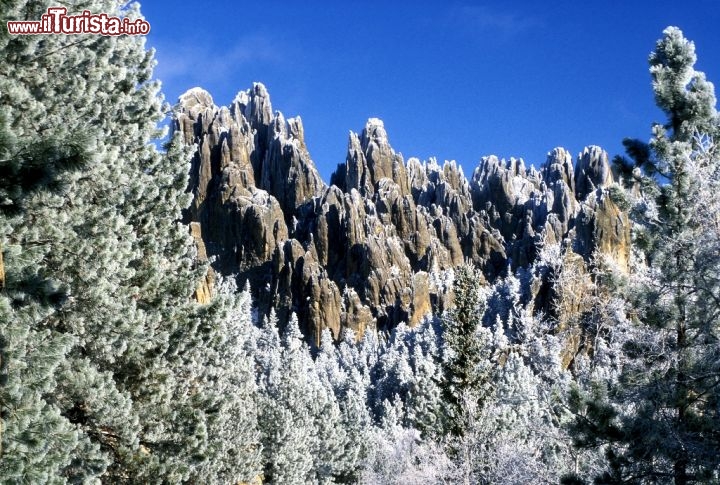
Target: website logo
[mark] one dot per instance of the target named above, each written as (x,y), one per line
(57,21)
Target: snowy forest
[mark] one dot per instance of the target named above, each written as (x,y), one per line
(559,368)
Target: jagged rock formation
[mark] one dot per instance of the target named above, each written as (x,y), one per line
(378,245)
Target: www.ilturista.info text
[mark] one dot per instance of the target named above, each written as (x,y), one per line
(57,21)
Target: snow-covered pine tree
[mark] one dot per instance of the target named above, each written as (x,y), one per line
(43,108)
(97,388)
(299,416)
(224,373)
(30,167)
(661,420)
(350,391)
(275,422)
(515,434)
(398,455)
(392,376)
(425,407)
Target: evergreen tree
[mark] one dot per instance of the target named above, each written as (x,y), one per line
(224,372)
(350,391)
(398,454)
(661,420)
(50,119)
(515,433)
(299,416)
(424,401)
(392,376)
(100,384)
(278,427)
(29,357)
(466,350)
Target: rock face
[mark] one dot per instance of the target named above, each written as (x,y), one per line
(379,244)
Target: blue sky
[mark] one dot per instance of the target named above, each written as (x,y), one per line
(453,80)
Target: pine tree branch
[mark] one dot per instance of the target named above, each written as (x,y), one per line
(83,40)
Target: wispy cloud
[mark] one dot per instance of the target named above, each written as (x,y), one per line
(194,62)
(486,21)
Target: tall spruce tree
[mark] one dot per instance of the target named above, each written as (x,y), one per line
(466,350)
(660,422)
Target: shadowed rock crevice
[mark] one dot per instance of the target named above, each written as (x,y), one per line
(379,244)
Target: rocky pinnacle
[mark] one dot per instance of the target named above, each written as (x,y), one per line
(379,244)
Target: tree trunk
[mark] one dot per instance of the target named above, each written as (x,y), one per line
(681,397)
(680,471)
(2,269)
